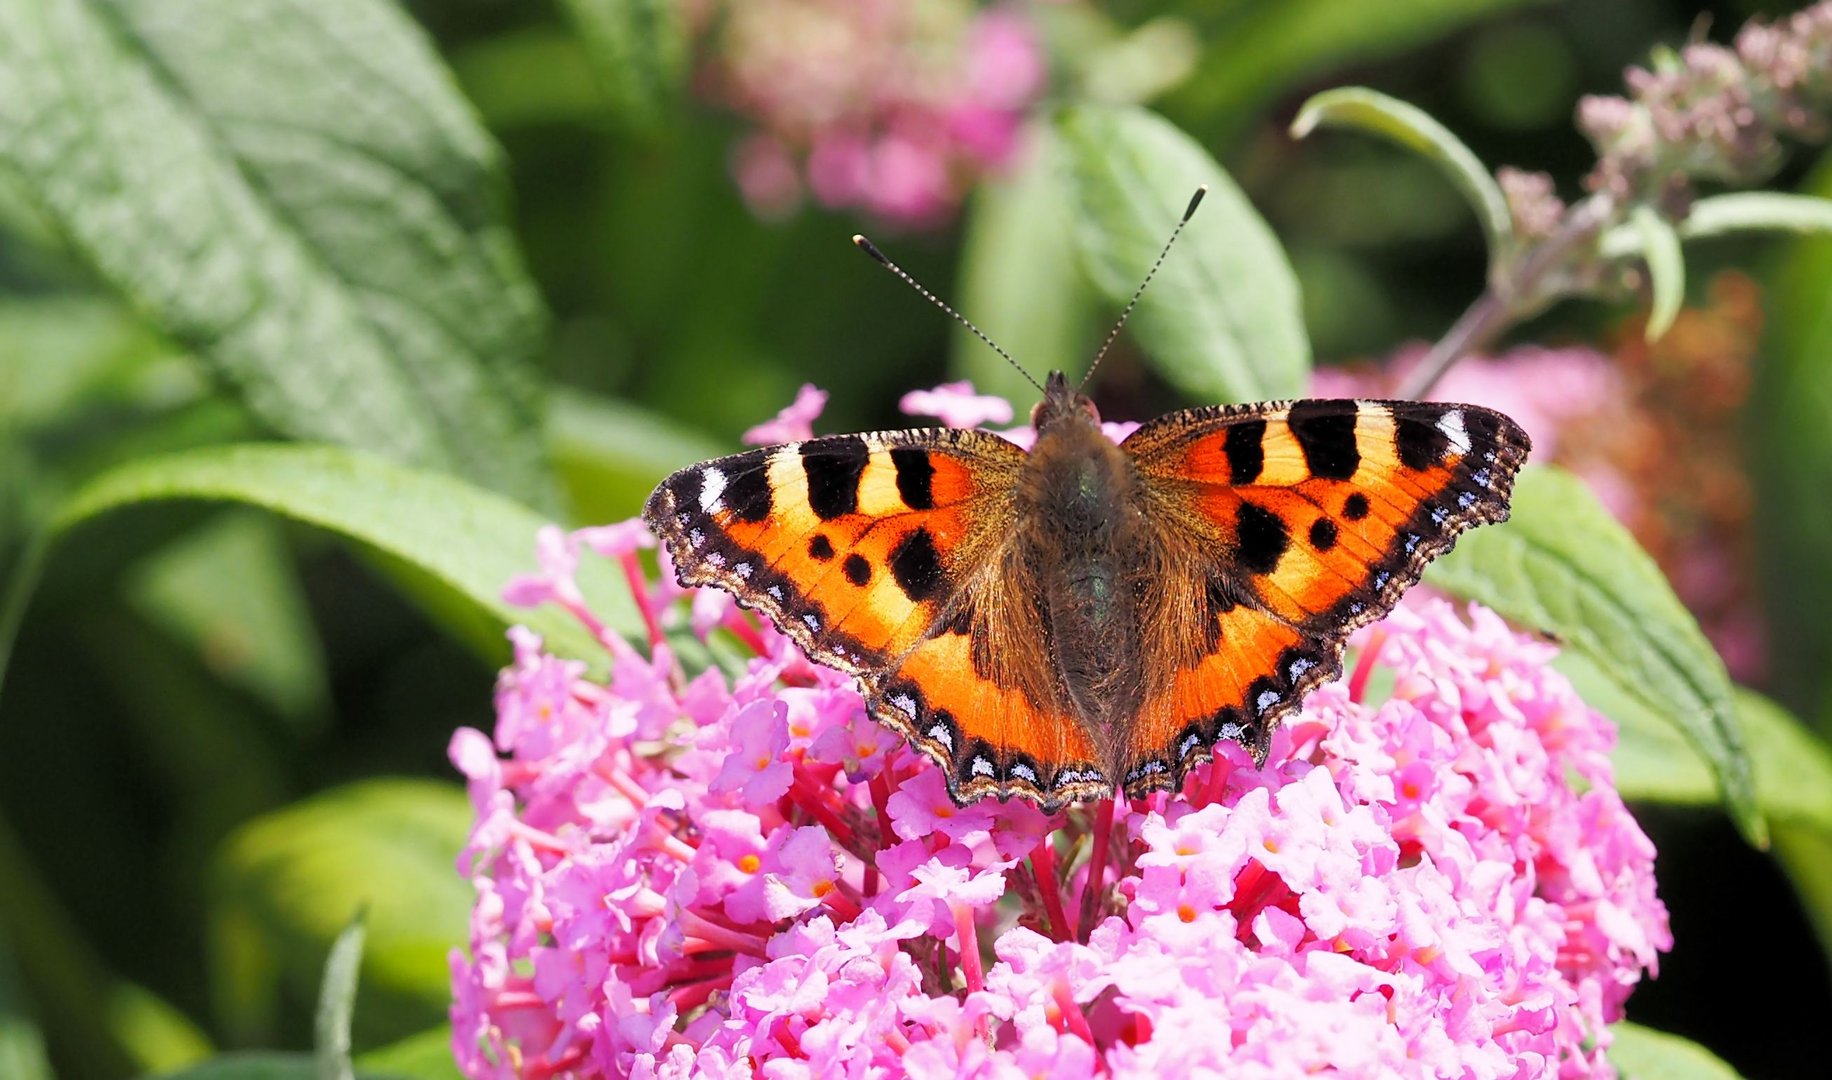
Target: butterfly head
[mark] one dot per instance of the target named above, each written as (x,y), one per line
(1062,402)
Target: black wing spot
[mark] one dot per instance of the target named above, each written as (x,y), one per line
(1326,433)
(915,472)
(1355,507)
(1261,537)
(820,548)
(1245,447)
(856,569)
(1323,534)
(833,468)
(1420,444)
(916,565)
(747,494)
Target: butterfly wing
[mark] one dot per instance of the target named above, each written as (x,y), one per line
(1290,525)
(881,555)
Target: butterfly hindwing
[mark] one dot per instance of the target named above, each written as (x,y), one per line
(1295,523)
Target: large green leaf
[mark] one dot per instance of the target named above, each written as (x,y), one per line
(296,193)
(1640,1053)
(1222,319)
(457,544)
(1565,566)
(288,883)
(1019,280)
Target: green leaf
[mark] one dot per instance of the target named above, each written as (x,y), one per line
(295,193)
(228,591)
(1222,319)
(1019,281)
(463,543)
(1415,129)
(1666,267)
(337,1003)
(611,455)
(426,1056)
(1737,212)
(1640,1053)
(638,51)
(287,882)
(1564,566)
(22,1048)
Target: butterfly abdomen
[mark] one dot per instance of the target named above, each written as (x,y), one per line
(1083,543)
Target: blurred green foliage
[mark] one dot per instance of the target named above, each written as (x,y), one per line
(494,253)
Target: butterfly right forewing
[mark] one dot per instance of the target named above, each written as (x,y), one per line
(1295,523)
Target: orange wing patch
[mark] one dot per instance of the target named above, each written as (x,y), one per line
(989,739)
(852,544)
(1260,669)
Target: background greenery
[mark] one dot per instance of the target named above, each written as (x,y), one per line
(498,250)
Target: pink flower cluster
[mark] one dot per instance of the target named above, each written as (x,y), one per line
(890,106)
(739,872)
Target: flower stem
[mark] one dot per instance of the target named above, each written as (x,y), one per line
(1043,868)
(1097,868)
(971,972)
(1364,664)
(1524,292)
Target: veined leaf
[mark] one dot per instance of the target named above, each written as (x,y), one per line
(1413,128)
(1222,319)
(1564,566)
(296,194)
(462,543)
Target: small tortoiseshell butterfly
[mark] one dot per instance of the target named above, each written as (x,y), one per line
(1087,617)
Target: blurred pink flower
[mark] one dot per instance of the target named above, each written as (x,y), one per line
(956,405)
(739,873)
(794,423)
(893,107)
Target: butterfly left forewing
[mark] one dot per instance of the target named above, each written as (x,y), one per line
(880,555)
(1289,525)
(851,544)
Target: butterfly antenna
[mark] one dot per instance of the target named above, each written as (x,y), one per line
(1188,212)
(871,249)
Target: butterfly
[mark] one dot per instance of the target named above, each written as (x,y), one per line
(1087,617)
(1090,617)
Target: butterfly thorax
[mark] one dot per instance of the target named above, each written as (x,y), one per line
(1081,538)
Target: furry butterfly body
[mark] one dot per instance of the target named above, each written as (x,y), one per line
(1091,617)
